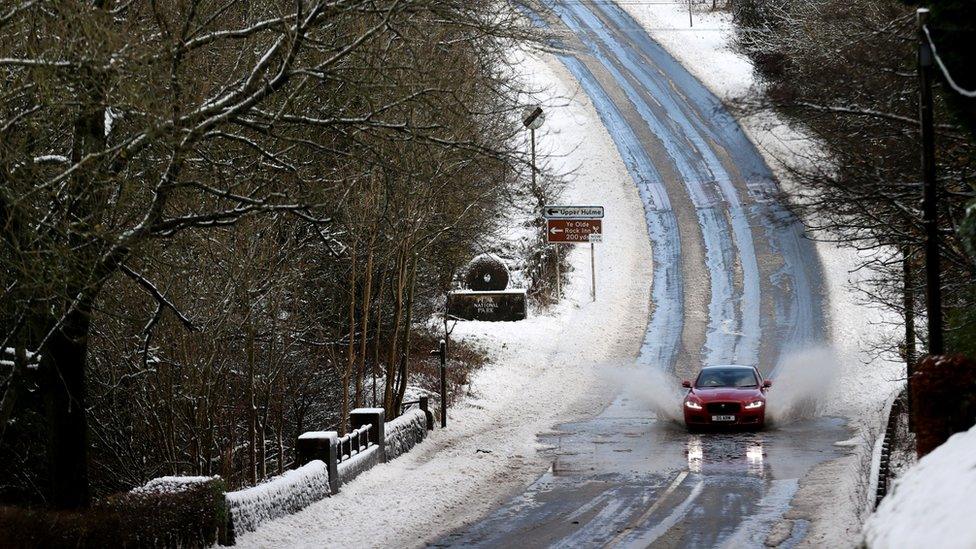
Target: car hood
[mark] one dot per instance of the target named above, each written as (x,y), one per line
(727,393)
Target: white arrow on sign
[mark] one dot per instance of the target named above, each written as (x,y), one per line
(555,230)
(573,212)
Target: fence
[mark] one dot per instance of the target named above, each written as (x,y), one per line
(884,463)
(353,442)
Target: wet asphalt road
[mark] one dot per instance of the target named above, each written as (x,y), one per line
(734,281)
(624,479)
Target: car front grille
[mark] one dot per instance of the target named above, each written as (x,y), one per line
(723,407)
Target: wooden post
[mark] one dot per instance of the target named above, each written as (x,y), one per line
(559,275)
(592,271)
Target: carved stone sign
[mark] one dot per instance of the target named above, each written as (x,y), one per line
(505,305)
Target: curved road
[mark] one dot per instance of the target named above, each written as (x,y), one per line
(734,281)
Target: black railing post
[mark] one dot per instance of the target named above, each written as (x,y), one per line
(323,445)
(425,408)
(443,352)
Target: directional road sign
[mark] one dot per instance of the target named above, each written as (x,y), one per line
(573,212)
(573,231)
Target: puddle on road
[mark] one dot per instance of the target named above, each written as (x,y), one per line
(626,479)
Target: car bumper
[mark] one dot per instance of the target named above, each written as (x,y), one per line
(743,418)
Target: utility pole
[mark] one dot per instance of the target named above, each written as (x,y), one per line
(690,22)
(930,195)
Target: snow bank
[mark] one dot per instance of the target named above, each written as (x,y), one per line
(171,485)
(359,464)
(405,432)
(931,505)
(279,496)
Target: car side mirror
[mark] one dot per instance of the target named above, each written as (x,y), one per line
(767,384)
(686,384)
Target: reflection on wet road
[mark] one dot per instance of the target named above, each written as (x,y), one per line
(625,479)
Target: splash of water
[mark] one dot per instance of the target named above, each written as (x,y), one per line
(801,383)
(658,389)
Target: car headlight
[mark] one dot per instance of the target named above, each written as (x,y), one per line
(693,405)
(754,404)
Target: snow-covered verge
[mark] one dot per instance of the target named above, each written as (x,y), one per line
(170,484)
(405,432)
(931,505)
(359,463)
(542,371)
(279,496)
(835,496)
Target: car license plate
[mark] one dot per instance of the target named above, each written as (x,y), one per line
(723,418)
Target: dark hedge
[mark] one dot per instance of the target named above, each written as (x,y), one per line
(195,516)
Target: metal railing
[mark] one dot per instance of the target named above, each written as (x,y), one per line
(353,442)
(887,441)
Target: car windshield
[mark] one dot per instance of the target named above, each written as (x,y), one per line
(727,377)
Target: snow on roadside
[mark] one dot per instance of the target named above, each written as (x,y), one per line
(543,371)
(864,384)
(931,504)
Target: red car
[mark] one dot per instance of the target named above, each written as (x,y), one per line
(726,396)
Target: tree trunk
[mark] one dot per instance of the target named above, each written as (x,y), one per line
(364,313)
(379,330)
(404,371)
(391,362)
(351,347)
(65,400)
(252,412)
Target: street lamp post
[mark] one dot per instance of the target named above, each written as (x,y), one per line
(532,118)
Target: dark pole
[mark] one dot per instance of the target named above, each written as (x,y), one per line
(442,351)
(930,197)
(909,305)
(532,133)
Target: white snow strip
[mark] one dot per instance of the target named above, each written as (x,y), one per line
(661,528)
(775,502)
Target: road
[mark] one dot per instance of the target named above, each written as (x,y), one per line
(734,281)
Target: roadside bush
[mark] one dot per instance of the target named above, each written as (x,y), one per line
(187,515)
(943,399)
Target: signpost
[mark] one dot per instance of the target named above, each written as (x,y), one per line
(575,225)
(572,231)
